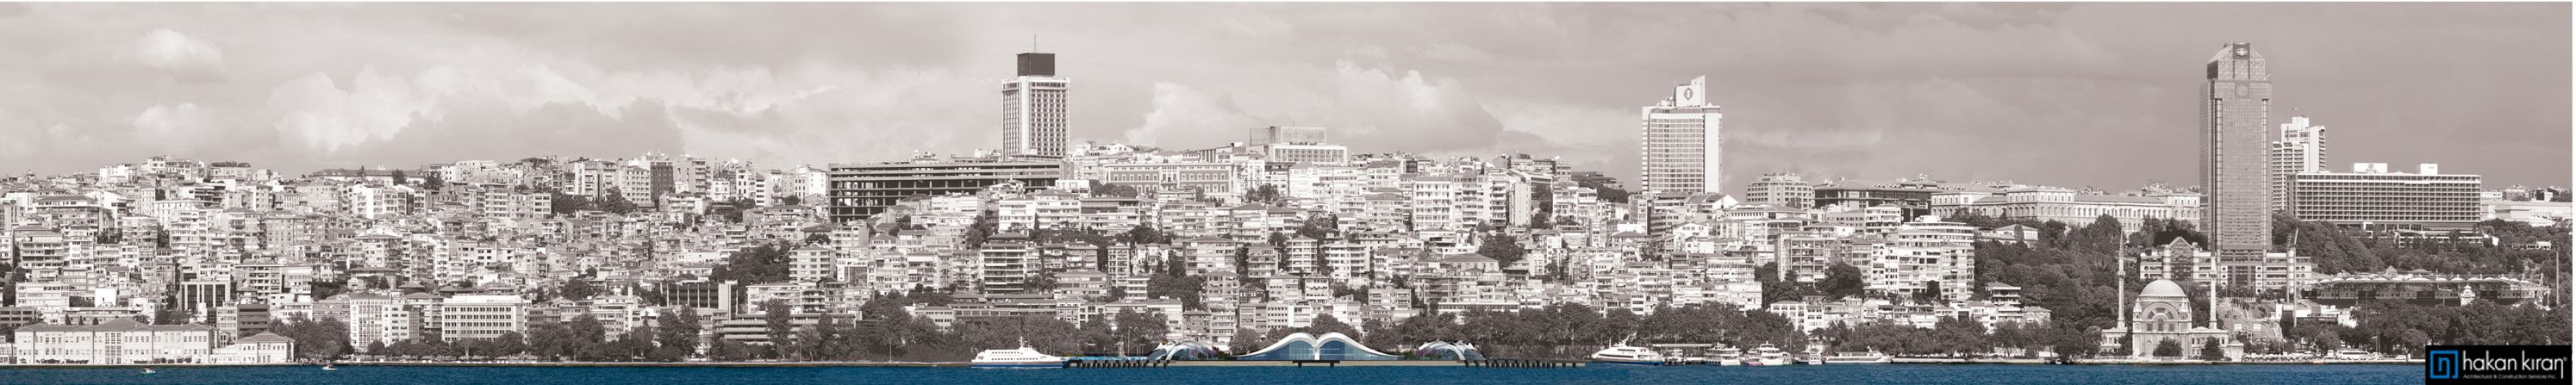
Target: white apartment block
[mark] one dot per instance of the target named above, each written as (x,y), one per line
(482,316)
(2296,148)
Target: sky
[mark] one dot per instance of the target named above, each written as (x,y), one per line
(2074,95)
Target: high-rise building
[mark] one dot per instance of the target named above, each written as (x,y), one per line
(1681,143)
(2298,148)
(1033,109)
(2236,110)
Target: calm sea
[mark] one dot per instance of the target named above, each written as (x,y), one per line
(1823,374)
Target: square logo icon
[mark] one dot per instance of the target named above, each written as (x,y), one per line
(2442,364)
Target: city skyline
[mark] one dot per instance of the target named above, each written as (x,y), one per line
(1870,98)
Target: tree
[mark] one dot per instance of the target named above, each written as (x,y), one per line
(1607,193)
(1137,330)
(754,265)
(614,202)
(2168,348)
(1115,190)
(507,344)
(433,182)
(1245,341)
(400,179)
(775,315)
(1843,281)
(679,330)
(1502,248)
(2209,350)
(1267,193)
(578,288)
(566,204)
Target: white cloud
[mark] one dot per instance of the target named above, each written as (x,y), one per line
(1187,117)
(315,111)
(175,128)
(169,50)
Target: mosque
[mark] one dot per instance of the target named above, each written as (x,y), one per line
(2162,312)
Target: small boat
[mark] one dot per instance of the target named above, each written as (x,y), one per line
(1622,354)
(1021,358)
(147,370)
(1869,357)
(328,367)
(1730,356)
(1768,355)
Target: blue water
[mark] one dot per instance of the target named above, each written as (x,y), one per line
(1824,374)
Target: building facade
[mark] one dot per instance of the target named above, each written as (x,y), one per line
(862,190)
(1784,190)
(481,316)
(1034,109)
(2375,198)
(2298,147)
(2236,110)
(1681,142)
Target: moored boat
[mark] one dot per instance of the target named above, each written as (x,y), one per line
(1622,354)
(1020,358)
(1730,356)
(1767,355)
(1868,357)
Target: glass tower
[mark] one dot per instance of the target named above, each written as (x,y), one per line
(2236,113)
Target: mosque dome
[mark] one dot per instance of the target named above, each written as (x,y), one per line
(2162,288)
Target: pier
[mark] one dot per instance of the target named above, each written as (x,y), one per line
(1081,363)
(1521,363)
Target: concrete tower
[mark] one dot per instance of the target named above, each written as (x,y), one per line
(1680,143)
(1034,113)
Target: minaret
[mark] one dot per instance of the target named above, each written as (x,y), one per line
(2121,299)
(2213,306)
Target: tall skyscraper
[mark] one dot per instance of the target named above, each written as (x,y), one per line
(2236,110)
(2297,148)
(1681,143)
(1033,109)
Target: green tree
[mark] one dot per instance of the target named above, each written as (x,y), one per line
(2168,348)
(678,330)
(1502,248)
(2209,350)
(614,202)
(775,315)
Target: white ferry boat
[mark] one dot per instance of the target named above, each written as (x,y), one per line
(1622,354)
(1021,358)
(1768,355)
(1730,356)
(1869,357)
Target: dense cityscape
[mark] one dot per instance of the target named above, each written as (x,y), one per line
(1083,248)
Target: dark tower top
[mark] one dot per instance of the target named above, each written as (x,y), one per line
(1037,64)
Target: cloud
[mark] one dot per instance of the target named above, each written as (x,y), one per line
(176,128)
(325,118)
(180,55)
(1187,117)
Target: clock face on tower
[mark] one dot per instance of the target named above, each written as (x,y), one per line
(2240,52)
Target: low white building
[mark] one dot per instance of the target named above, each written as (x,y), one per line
(115,342)
(265,348)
